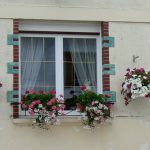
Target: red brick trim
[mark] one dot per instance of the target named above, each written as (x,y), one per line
(15,76)
(105,56)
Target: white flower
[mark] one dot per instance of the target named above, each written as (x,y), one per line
(40,105)
(96,118)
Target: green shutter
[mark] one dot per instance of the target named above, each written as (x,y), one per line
(12,39)
(109,69)
(108,41)
(112,99)
(11,68)
(10,96)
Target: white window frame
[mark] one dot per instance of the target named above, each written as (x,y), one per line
(59,72)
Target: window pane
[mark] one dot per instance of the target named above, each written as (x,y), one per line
(67,50)
(26,49)
(35,72)
(49,73)
(68,74)
(37,77)
(79,66)
(49,49)
(37,48)
(26,74)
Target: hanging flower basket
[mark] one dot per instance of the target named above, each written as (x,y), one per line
(44,107)
(136,84)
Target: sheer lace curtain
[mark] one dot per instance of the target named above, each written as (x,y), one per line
(83,53)
(31,57)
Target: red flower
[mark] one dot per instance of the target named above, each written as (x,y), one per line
(27,92)
(23,96)
(52,92)
(83,88)
(41,92)
(129,86)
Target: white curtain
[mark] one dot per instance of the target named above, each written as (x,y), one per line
(31,57)
(83,53)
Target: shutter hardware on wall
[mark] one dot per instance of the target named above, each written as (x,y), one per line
(112,99)
(11,96)
(12,39)
(108,69)
(108,41)
(12,67)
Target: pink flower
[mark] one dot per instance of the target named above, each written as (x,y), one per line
(31,106)
(83,88)
(52,92)
(61,95)
(61,101)
(32,91)
(58,109)
(109,106)
(63,106)
(31,113)
(54,107)
(62,114)
(41,92)
(93,103)
(21,102)
(49,103)
(24,106)
(53,100)
(38,101)
(34,103)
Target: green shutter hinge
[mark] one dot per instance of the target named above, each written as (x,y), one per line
(13,39)
(108,41)
(11,96)
(109,69)
(13,68)
(112,99)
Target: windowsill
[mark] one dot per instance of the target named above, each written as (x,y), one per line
(64,121)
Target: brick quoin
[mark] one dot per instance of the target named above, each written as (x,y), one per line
(15,76)
(105,55)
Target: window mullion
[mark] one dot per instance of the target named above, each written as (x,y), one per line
(99,65)
(59,65)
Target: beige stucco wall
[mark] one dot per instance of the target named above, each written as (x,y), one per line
(95,10)
(127,131)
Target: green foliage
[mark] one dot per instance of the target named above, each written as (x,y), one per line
(44,98)
(86,97)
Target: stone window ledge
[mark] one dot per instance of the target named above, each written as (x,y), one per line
(67,120)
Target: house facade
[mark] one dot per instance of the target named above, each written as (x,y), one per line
(35,42)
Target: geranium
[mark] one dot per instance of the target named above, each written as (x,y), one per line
(44,106)
(94,107)
(136,84)
(96,113)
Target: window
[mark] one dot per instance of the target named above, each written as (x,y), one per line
(60,62)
